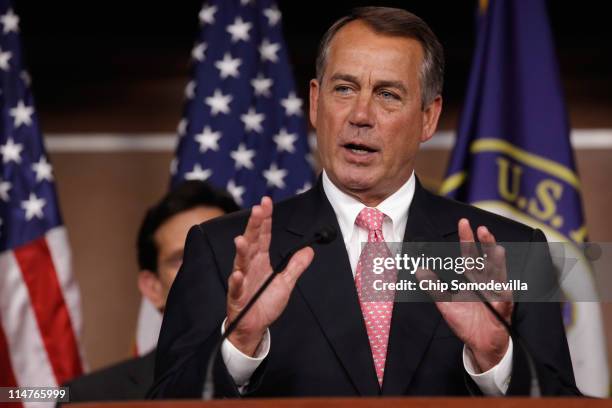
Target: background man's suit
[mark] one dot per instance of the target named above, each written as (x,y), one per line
(319,345)
(128,380)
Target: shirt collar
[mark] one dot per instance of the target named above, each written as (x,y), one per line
(347,207)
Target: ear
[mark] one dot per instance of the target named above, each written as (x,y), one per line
(314,100)
(150,287)
(431,114)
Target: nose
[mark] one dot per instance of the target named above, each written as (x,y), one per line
(361,114)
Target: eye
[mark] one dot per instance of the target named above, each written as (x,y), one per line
(388,95)
(343,89)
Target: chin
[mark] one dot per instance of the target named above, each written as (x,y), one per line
(357,182)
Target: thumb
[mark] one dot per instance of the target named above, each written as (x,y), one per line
(298,264)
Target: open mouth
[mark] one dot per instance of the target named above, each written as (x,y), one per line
(359,148)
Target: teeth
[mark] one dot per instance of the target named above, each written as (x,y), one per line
(359,151)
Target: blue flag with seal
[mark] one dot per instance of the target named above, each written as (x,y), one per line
(513,154)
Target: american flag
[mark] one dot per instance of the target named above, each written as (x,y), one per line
(243,128)
(40,317)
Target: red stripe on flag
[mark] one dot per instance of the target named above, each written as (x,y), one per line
(36,264)
(7,378)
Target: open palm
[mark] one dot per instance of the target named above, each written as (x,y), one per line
(251,268)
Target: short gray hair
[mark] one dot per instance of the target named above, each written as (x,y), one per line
(398,23)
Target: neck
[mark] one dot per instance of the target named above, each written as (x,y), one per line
(370,197)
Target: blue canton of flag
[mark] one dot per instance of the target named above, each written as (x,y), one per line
(243,128)
(28,203)
(513,155)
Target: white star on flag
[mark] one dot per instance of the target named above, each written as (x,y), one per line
(181,129)
(198,50)
(198,173)
(218,103)
(43,170)
(33,207)
(235,191)
(268,51)
(5,186)
(228,66)
(284,141)
(243,157)
(10,21)
(292,105)
(22,114)
(252,121)
(307,186)
(208,139)
(11,151)
(190,89)
(239,30)
(275,176)
(262,85)
(5,56)
(207,14)
(273,15)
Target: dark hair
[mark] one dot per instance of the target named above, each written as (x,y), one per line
(185,196)
(399,23)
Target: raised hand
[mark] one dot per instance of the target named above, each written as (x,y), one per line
(485,337)
(251,268)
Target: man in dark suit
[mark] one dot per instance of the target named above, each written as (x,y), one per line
(375,99)
(160,244)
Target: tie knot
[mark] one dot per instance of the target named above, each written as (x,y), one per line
(370,219)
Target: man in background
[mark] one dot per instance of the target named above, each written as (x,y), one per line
(161,240)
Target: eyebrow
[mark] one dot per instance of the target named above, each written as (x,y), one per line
(380,84)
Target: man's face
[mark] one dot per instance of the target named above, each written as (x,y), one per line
(170,240)
(367,112)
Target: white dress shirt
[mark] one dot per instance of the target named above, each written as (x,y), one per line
(493,382)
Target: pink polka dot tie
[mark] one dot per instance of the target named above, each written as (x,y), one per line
(376,314)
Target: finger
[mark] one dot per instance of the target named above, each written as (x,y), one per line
(495,255)
(266,206)
(465,231)
(466,239)
(434,282)
(235,287)
(240,260)
(486,239)
(498,261)
(298,264)
(251,232)
(485,236)
(265,231)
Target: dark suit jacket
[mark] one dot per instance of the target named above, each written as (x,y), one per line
(128,380)
(319,345)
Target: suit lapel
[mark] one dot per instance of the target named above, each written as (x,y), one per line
(329,290)
(412,324)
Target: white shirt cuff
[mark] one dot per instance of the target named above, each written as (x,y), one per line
(240,366)
(495,381)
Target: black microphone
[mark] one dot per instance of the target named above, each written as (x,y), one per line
(322,236)
(535,390)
